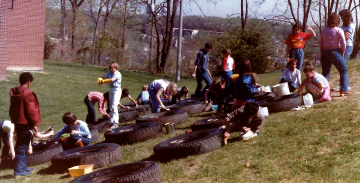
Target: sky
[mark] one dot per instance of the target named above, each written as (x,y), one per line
(223,8)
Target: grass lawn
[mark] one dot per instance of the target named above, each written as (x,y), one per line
(320,144)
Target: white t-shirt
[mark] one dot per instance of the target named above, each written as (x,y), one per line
(294,77)
(159,83)
(351,30)
(7,126)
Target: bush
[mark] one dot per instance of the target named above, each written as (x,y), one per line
(48,47)
(254,44)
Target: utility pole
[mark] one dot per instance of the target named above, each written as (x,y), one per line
(178,63)
(153,2)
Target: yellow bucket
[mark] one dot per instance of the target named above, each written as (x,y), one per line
(80,170)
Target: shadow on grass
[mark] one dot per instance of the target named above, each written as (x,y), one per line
(153,157)
(51,170)
(6,177)
(204,115)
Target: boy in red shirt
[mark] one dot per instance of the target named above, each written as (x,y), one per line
(25,114)
(295,43)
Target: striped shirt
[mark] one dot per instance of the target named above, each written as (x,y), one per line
(99,98)
(321,79)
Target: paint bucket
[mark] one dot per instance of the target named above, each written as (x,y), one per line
(170,128)
(281,89)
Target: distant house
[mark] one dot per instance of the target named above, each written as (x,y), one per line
(22,33)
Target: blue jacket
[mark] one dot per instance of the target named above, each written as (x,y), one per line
(83,128)
(245,89)
(202,60)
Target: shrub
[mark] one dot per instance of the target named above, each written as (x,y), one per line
(48,47)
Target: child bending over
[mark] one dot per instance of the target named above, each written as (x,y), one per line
(181,93)
(90,100)
(215,94)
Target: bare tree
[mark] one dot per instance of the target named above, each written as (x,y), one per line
(244,14)
(75,4)
(62,26)
(96,19)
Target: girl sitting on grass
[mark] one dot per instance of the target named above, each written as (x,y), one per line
(143,97)
(291,75)
(316,84)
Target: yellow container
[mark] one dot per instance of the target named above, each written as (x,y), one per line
(80,170)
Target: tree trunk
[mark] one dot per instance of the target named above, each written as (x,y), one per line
(123,40)
(62,27)
(73,27)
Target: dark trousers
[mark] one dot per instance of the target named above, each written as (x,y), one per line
(71,142)
(202,75)
(5,139)
(22,145)
(91,116)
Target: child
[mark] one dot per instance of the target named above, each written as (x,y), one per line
(113,78)
(125,93)
(160,87)
(143,97)
(315,84)
(90,100)
(181,93)
(25,114)
(79,132)
(291,75)
(227,68)
(295,43)
(248,118)
(216,94)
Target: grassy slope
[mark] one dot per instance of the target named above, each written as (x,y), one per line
(316,145)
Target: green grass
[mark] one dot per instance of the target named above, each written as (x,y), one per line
(320,144)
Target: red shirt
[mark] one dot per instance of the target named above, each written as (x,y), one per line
(99,98)
(297,41)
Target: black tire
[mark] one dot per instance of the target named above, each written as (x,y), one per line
(213,122)
(142,109)
(38,157)
(264,97)
(139,172)
(131,134)
(94,135)
(281,104)
(100,155)
(128,116)
(173,116)
(192,107)
(194,143)
(101,126)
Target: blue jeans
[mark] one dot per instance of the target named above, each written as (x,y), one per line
(297,54)
(202,75)
(292,86)
(73,139)
(334,57)
(155,103)
(91,116)
(5,139)
(348,51)
(22,145)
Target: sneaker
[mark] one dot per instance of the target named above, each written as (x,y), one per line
(248,135)
(113,127)
(208,107)
(337,88)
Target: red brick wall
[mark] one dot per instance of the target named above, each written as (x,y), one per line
(2,39)
(24,28)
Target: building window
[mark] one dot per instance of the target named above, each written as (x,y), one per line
(11,5)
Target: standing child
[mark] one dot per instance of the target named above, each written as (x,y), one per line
(291,75)
(79,132)
(143,97)
(113,78)
(90,100)
(316,84)
(295,43)
(201,70)
(227,69)
(25,114)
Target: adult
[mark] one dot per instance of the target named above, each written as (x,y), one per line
(201,70)
(332,48)
(349,31)
(295,43)
(246,85)
(156,89)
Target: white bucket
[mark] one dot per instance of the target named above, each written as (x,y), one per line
(264,111)
(267,89)
(281,89)
(308,100)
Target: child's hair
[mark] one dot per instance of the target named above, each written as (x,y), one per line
(333,20)
(114,65)
(309,68)
(184,90)
(226,51)
(292,61)
(25,77)
(216,85)
(208,45)
(144,87)
(296,25)
(346,17)
(125,92)
(172,89)
(245,67)
(106,96)
(69,118)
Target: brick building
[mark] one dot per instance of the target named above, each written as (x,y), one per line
(22,33)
